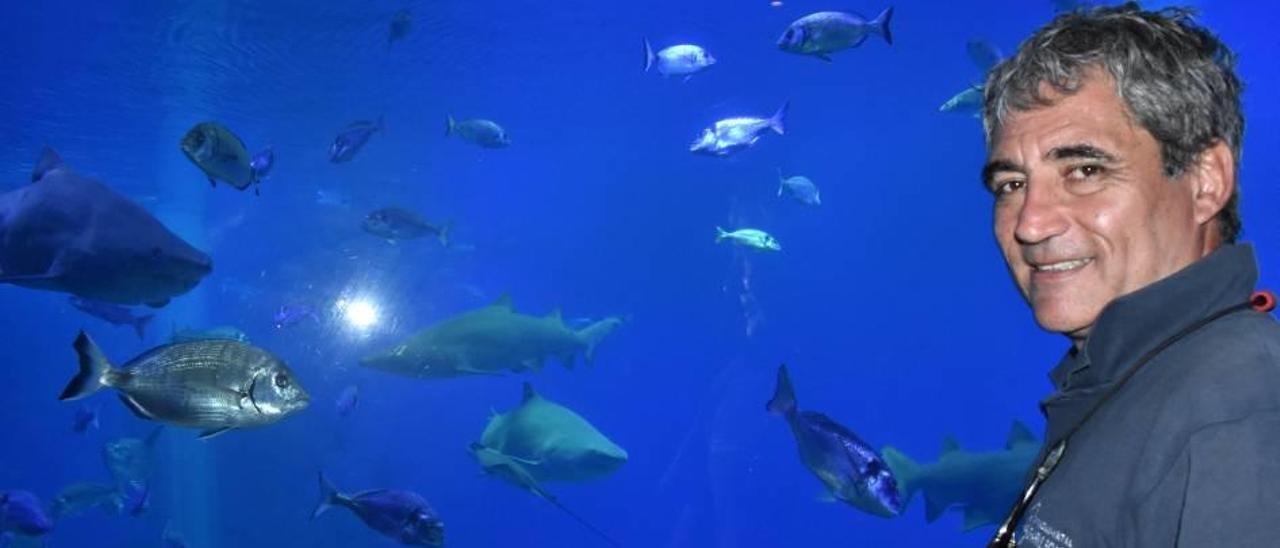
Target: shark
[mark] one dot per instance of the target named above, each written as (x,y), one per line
(491,340)
(68,233)
(541,440)
(984,485)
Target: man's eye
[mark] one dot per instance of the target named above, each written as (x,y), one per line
(1087,171)
(1005,187)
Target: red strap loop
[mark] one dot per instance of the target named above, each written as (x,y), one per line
(1263,300)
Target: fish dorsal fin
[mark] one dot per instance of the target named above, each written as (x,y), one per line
(504,301)
(49,160)
(529,393)
(950,445)
(1019,434)
(556,315)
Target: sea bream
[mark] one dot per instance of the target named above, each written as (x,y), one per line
(220,154)
(678,60)
(485,133)
(213,385)
(850,469)
(826,32)
(69,233)
(799,188)
(751,238)
(731,135)
(353,138)
(393,223)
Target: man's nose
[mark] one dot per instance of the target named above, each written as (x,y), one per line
(1041,216)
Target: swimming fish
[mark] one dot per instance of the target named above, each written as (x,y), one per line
(113,314)
(968,102)
(220,154)
(752,238)
(678,60)
(400,515)
(485,133)
(353,138)
(394,223)
(799,188)
(732,135)
(72,234)
(131,460)
(347,400)
(262,162)
(21,513)
(983,54)
(823,33)
(214,385)
(78,498)
(848,467)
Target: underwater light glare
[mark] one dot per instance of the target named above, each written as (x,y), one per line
(359,314)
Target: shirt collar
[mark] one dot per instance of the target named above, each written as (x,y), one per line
(1132,324)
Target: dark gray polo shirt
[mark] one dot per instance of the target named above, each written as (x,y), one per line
(1187,453)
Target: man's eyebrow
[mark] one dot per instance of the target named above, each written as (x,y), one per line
(1082,150)
(995,166)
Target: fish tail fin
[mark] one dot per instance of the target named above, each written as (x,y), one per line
(140,325)
(449,125)
(95,370)
(444,233)
(905,469)
(649,57)
(329,496)
(778,122)
(881,24)
(596,332)
(721,234)
(783,401)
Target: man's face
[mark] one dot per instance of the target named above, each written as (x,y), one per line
(1083,211)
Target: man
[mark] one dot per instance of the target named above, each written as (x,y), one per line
(1114,139)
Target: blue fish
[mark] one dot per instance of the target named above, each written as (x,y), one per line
(401,515)
(799,188)
(851,469)
(113,314)
(347,400)
(352,139)
(86,417)
(262,162)
(826,32)
(21,513)
(72,234)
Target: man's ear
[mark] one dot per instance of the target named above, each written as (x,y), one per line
(1215,181)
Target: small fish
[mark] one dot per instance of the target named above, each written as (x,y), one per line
(222,332)
(86,418)
(130,460)
(113,314)
(347,400)
(289,315)
(485,133)
(758,240)
(848,467)
(799,188)
(21,513)
(78,498)
(678,60)
(968,102)
(212,385)
(401,24)
(983,54)
(826,32)
(401,515)
(731,135)
(262,162)
(352,138)
(220,154)
(394,223)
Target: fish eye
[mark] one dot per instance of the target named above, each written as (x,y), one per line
(282,380)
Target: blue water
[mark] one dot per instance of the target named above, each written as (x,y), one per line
(890,301)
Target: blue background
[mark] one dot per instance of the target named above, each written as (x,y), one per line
(890,302)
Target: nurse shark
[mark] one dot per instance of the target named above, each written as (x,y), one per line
(984,485)
(69,233)
(489,341)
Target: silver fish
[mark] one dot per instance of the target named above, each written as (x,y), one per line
(678,60)
(826,32)
(82,497)
(968,102)
(220,154)
(799,188)
(485,133)
(731,135)
(214,385)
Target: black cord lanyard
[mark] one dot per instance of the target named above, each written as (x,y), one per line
(1262,301)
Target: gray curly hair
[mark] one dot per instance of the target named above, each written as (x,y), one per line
(1176,78)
